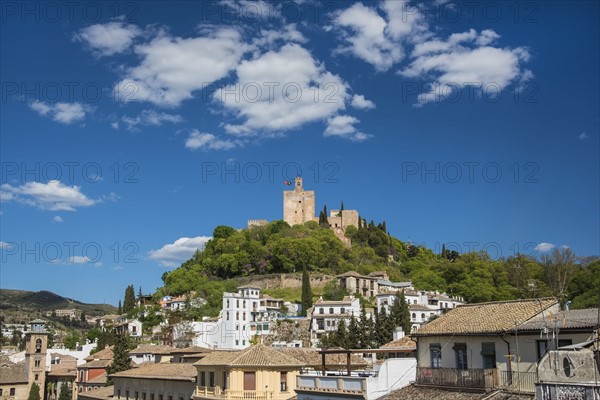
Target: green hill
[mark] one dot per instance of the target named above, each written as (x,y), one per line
(27,302)
(279,248)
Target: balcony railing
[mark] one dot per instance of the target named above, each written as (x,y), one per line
(523,382)
(218,394)
(467,378)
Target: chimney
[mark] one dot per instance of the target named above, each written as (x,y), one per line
(398,333)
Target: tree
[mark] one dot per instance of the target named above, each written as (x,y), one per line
(121,361)
(65,393)
(70,341)
(223,232)
(129,301)
(400,313)
(341,335)
(120,308)
(353,334)
(333,291)
(560,269)
(140,295)
(307,300)
(34,392)
(365,330)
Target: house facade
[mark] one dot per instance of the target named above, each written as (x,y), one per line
(155,382)
(259,372)
(325,316)
(496,344)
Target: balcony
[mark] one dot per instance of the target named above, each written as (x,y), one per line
(463,378)
(215,393)
(522,382)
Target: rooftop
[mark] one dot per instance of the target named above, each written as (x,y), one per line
(403,344)
(180,372)
(572,319)
(311,358)
(255,356)
(485,318)
(191,350)
(12,373)
(152,349)
(104,354)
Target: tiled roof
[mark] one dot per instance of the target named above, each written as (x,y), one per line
(152,349)
(346,300)
(191,350)
(572,319)
(12,373)
(180,372)
(485,318)
(72,372)
(96,364)
(405,343)
(349,274)
(104,354)
(98,380)
(254,356)
(312,358)
(63,357)
(103,393)
(421,393)
(419,307)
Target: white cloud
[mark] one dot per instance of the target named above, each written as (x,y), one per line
(359,101)
(281,90)
(151,118)
(78,260)
(202,140)
(115,125)
(53,196)
(583,136)
(544,247)
(343,126)
(173,254)
(65,113)
(57,219)
(110,38)
(253,10)
(174,67)
(466,59)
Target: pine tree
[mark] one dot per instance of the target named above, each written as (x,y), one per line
(34,392)
(65,393)
(341,335)
(129,301)
(307,295)
(443,250)
(353,334)
(121,361)
(120,308)
(400,314)
(366,330)
(140,294)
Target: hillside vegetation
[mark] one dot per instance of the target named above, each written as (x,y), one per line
(279,248)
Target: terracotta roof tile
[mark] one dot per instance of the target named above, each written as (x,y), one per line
(573,319)
(255,356)
(312,358)
(182,372)
(485,318)
(405,343)
(191,350)
(103,393)
(12,373)
(104,354)
(152,349)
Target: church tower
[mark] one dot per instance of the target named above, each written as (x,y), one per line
(35,355)
(298,204)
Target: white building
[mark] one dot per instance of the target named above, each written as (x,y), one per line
(246,315)
(325,316)
(133,327)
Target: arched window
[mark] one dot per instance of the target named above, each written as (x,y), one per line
(38,346)
(36,377)
(12,391)
(414,316)
(423,316)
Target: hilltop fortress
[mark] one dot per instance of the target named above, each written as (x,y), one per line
(299,207)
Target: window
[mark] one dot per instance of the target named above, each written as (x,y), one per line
(12,392)
(249,381)
(330,310)
(38,346)
(118,393)
(544,345)
(136,395)
(160,397)
(127,394)
(227,314)
(435,353)
(237,315)
(224,380)
(320,324)
(283,381)
(342,310)
(144,396)
(211,379)
(227,303)
(202,378)
(237,342)
(37,363)
(0,392)
(36,377)
(151,396)
(423,316)
(321,311)
(460,350)
(237,304)
(488,354)
(414,316)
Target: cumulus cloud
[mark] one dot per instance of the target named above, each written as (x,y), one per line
(343,126)
(64,113)
(174,67)
(202,140)
(281,90)
(173,254)
(466,59)
(150,118)
(110,38)
(359,101)
(78,260)
(53,196)
(544,247)
(583,136)
(57,219)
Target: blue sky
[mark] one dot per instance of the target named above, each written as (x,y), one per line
(129,130)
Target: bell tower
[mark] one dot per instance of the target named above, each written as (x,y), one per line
(35,354)
(298,204)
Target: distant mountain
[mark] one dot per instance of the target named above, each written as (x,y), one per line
(24,301)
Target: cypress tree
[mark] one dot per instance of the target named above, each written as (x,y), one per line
(121,361)
(443,250)
(120,308)
(341,335)
(353,334)
(400,314)
(65,393)
(129,301)
(307,301)
(366,330)
(34,392)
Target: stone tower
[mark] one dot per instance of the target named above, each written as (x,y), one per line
(298,204)
(35,355)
